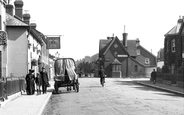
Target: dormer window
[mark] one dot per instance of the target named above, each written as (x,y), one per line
(173,45)
(147,61)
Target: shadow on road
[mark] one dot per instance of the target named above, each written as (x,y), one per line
(134,84)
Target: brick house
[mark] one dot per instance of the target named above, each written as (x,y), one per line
(126,58)
(174,47)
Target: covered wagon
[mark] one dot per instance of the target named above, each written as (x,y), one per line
(65,74)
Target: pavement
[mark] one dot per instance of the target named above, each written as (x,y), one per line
(165,87)
(22,104)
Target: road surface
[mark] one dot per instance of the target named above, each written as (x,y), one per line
(118,97)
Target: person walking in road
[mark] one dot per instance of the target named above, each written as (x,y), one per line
(153,76)
(30,86)
(102,75)
(45,80)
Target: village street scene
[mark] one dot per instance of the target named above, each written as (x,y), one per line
(43,74)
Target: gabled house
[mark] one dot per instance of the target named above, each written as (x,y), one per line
(26,46)
(125,58)
(174,48)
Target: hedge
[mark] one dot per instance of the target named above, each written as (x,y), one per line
(170,77)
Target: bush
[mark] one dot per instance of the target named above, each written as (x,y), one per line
(165,69)
(167,76)
(179,77)
(180,70)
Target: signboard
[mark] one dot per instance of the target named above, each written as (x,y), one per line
(122,55)
(3,37)
(183,55)
(53,42)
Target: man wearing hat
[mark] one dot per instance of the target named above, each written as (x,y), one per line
(30,82)
(45,80)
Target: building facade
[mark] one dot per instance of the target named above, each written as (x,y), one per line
(174,48)
(25,46)
(126,58)
(3,39)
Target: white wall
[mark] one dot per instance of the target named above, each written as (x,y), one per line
(17,51)
(2,49)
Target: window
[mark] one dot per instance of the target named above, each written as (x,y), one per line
(116,68)
(173,45)
(135,68)
(147,61)
(167,43)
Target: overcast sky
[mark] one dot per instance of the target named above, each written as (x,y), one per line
(84,22)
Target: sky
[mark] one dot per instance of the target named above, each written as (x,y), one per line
(82,23)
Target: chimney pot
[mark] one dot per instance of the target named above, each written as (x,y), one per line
(137,42)
(125,39)
(26,18)
(33,25)
(9,9)
(18,8)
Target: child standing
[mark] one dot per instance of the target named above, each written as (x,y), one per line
(38,83)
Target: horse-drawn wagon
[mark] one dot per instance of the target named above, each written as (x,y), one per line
(65,74)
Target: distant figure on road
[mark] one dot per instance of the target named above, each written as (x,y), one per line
(45,80)
(30,86)
(153,76)
(102,75)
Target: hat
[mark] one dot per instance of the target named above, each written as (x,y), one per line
(30,70)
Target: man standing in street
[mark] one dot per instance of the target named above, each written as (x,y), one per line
(45,80)
(30,82)
(153,76)
(102,75)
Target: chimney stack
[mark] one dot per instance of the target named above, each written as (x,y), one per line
(33,25)
(137,42)
(18,8)
(26,18)
(125,38)
(9,9)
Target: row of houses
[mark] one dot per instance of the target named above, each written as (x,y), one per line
(128,58)
(22,46)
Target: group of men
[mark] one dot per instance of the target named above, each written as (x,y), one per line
(41,80)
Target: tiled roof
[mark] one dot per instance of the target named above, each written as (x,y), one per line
(131,47)
(103,43)
(116,62)
(12,21)
(38,35)
(104,46)
(108,45)
(176,29)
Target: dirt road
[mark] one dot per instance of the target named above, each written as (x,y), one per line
(118,97)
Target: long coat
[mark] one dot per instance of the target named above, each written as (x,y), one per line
(30,83)
(44,77)
(153,75)
(102,73)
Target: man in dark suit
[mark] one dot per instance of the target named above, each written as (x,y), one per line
(153,76)
(45,80)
